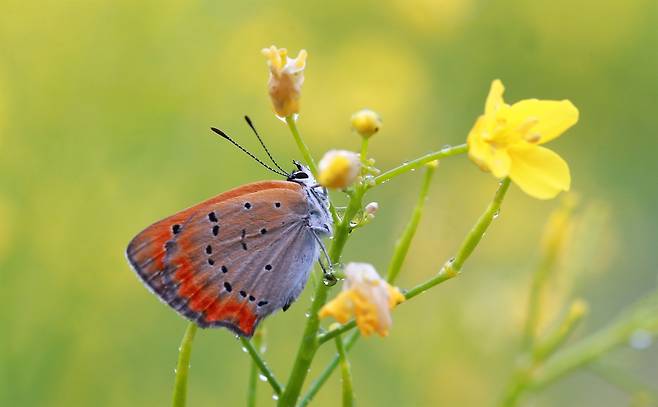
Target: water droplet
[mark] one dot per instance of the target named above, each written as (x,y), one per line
(329,280)
(263,348)
(275,396)
(413,169)
(244,349)
(262,377)
(496,214)
(446,147)
(307,315)
(640,339)
(175,371)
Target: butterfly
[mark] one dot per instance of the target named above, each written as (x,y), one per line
(236,258)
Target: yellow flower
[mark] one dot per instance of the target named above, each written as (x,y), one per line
(339,169)
(286,79)
(366,295)
(366,122)
(506,141)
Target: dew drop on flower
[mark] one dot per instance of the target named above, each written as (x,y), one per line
(175,371)
(640,339)
(307,315)
(244,349)
(496,214)
(275,396)
(262,377)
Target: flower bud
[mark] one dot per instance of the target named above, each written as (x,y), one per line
(366,296)
(371,208)
(338,169)
(286,79)
(366,122)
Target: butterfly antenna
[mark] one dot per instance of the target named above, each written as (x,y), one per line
(262,144)
(244,150)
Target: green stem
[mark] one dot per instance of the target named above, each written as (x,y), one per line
(447,272)
(183,366)
(258,360)
(310,344)
(308,158)
(450,269)
(317,384)
(418,162)
(253,372)
(348,390)
(404,242)
(454,266)
(364,150)
(324,337)
(534,301)
(545,348)
(625,382)
(643,315)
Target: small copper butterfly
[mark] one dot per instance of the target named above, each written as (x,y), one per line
(234,259)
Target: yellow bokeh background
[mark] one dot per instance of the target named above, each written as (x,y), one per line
(105,109)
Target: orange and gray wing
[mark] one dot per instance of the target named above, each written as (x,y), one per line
(231,260)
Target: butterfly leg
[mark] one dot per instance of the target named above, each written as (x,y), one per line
(328,277)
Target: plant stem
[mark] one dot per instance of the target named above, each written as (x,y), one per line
(253,372)
(309,344)
(183,366)
(447,271)
(317,384)
(348,390)
(418,162)
(450,269)
(643,315)
(308,158)
(454,266)
(258,360)
(404,242)
(625,382)
(324,337)
(543,349)
(364,150)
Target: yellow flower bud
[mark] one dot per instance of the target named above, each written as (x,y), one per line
(286,79)
(366,122)
(339,169)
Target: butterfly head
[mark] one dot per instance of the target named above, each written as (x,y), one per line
(302,175)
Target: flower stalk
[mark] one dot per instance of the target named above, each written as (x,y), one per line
(404,242)
(262,366)
(253,371)
(419,162)
(454,266)
(309,343)
(346,373)
(183,366)
(301,145)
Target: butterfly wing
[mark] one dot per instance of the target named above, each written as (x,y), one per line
(233,259)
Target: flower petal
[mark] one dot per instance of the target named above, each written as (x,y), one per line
(495,98)
(340,308)
(553,117)
(538,171)
(485,155)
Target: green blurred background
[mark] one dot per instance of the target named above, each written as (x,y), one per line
(104,116)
